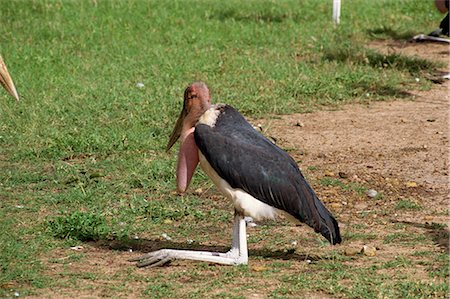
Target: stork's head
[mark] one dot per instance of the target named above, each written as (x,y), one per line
(6,81)
(196,101)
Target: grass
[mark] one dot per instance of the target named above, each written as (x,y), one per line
(408,205)
(80,226)
(82,154)
(333,182)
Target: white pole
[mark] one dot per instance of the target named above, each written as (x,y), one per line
(336,11)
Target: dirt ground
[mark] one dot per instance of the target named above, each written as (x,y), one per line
(398,148)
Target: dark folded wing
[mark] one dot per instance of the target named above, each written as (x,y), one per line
(247,160)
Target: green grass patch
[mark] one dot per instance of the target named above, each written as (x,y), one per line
(440,267)
(352,236)
(404,238)
(160,290)
(349,53)
(405,204)
(80,226)
(333,182)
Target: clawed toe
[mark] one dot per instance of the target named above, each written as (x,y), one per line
(142,257)
(153,262)
(152,259)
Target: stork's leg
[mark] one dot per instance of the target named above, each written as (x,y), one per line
(237,255)
(239,243)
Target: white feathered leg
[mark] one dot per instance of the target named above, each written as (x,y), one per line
(237,255)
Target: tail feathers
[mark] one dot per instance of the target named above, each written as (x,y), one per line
(327,225)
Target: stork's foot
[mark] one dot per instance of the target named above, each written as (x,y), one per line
(238,255)
(154,259)
(164,256)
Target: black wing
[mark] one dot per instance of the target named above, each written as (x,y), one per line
(249,161)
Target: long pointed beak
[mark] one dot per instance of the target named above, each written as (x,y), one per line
(6,81)
(176,132)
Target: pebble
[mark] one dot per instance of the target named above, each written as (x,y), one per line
(369,250)
(411,184)
(329,173)
(343,175)
(165,236)
(371,193)
(198,191)
(351,251)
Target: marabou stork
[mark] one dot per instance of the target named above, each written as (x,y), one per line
(6,81)
(260,178)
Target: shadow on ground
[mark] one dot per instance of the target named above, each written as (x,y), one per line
(438,232)
(145,246)
(389,32)
(365,56)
